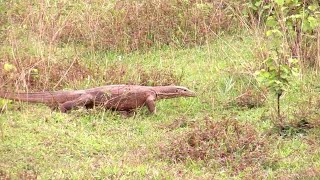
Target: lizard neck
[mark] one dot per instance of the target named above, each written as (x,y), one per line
(165,92)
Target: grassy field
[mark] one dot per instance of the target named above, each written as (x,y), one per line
(39,142)
(229,131)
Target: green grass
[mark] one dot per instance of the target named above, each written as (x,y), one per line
(97,143)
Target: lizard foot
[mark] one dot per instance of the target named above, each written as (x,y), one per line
(127,114)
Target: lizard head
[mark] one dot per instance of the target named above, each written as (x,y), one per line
(174,91)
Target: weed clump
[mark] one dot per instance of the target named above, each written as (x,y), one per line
(305,117)
(300,118)
(251,98)
(227,143)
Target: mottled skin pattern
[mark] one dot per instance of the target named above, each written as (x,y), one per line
(116,97)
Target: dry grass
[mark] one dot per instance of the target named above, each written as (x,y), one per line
(251,98)
(179,122)
(227,143)
(122,25)
(297,121)
(30,175)
(309,173)
(37,74)
(305,117)
(33,32)
(121,73)
(53,46)
(4,175)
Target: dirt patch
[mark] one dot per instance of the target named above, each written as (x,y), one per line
(227,143)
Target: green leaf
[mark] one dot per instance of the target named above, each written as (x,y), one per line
(34,73)
(313,22)
(283,8)
(271,22)
(296,16)
(293,61)
(245,13)
(312,7)
(279,2)
(269,33)
(5,102)
(9,67)
(265,74)
(284,76)
(266,6)
(285,69)
(295,72)
(274,32)
(258,3)
(306,26)
(258,73)
(260,79)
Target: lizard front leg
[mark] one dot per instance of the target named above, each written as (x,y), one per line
(151,104)
(81,101)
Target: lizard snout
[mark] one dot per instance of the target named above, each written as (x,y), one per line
(191,94)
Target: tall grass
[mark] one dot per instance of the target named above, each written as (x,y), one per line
(119,25)
(50,36)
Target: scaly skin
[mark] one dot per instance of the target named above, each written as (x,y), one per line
(116,97)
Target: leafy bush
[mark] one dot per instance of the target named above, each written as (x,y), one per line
(296,22)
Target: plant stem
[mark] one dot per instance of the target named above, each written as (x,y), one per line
(279,93)
(278,110)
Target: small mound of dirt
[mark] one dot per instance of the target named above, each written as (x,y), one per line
(227,143)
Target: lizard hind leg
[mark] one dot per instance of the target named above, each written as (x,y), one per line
(83,100)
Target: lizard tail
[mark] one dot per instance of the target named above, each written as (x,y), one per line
(45,97)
